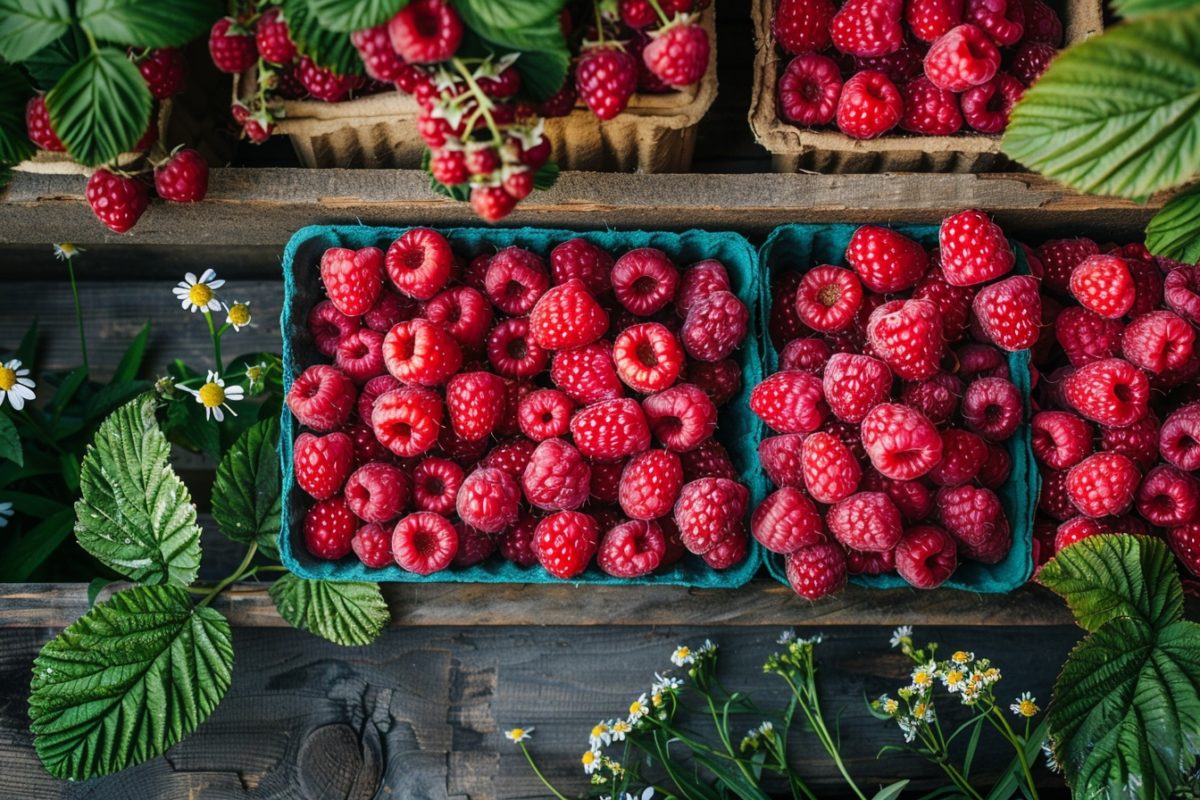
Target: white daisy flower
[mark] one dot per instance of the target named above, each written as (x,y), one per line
(683,655)
(1025,706)
(618,729)
(238,315)
(639,708)
(900,634)
(518,734)
(215,396)
(601,735)
(15,384)
(663,684)
(6,511)
(65,250)
(199,294)
(591,761)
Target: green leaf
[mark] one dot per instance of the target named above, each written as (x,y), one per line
(38,506)
(26,553)
(136,516)
(546,177)
(347,16)
(1118,114)
(1131,9)
(95,586)
(138,23)
(1125,717)
(891,791)
(131,361)
(15,91)
(50,63)
(1174,232)
(27,26)
(129,679)
(343,613)
(27,349)
(68,388)
(1107,577)
(246,493)
(10,442)
(328,48)
(100,107)
(544,57)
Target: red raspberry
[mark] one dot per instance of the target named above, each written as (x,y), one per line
(907,334)
(366,446)
(421,352)
(1103,284)
(420,262)
(1086,337)
(901,443)
(388,310)
(489,500)
(579,258)
(231,46)
(373,546)
(586,374)
(116,201)
(981,361)
(809,88)
(515,280)
(784,323)
(610,430)
(973,249)
(1139,441)
(912,499)
(605,485)
(802,26)
(1159,341)
(556,478)
(680,417)
(328,326)
(1169,497)
(972,515)
(986,107)
(992,551)
(1010,311)
(865,28)
(1103,484)
(1031,61)
(474,546)
(782,458)
(631,549)
(492,203)
(709,460)
(865,521)
(828,298)
(708,511)
(961,58)
(353,278)
(650,484)
(809,355)
(929,110)
(937,397)
(648,357)
(165,72)
(370,391)
(565,542)
(464,313)
(787,521)
(1076,529)
(512,351)
(886,261)
(511,456)
(426,31)
(435,485)
(544,414)
(830,471)
(1181,291)
(567,316)
(1054,499)
(448,165)
(322,463)
(869,106)
(720,380)
(1060,439)
(1148,286)
(183,178)
(715,326)
(322,397)
(926,556)
(475,401)
(377,492)
(790,402)
(482,158)
(273,39)
(606,77)
(360,355)
(992,407)
(516,543)
(1059,258)
(1185,543)
(816,571)
(644,280)
(407,421)
(854,384)
(380,59)
(1112,392)
(929,20)
(963,457)
(900,66)
(1042,23)
(1003,20)
(38,127)
(1179,439)
(328,528)
(424,543)
(859,563)
(678,53)
(465,452)
(953,302)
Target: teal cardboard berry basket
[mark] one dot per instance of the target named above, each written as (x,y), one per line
(805,246)
(738,429)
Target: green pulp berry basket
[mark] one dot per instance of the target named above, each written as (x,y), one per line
(803,247)
(738,429)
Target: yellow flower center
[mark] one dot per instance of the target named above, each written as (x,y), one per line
(239,314)
(200,295)
(67,249)
(8,379)
(921,678)
(636,708)
(1028,708)
(516,734)
(683,653)
(254,373)
(211,395)
(919,710)
(599,731)
(588,758)
(954,677)
(960,657)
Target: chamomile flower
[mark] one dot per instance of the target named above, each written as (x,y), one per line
(518,734)
(814,640)
(901,635)
(15,384)
(65,250)
(199,294)
(954,679)
(214,395)
(1025,706)
(591,761)
(618,728)
(238,316)
(923,676)
(613,766)
(682,656)
(639,708)
(787,637)
(6,511)
(923,712)
(767,730)
(666,684)
(601,735)
(889,705)
(962,657)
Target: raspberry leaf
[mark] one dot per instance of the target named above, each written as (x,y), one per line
(1174,232)
(50,63)
(27,26)
(327,48)
(344,613)
(14,92)
(135,515)
(530,28)
(246,493)
(1131,9)
(1118,114)
(140,24)
(347,16)
(129,679)
(100,107)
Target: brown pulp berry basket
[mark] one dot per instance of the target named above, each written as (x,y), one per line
(656,133)
(797,149)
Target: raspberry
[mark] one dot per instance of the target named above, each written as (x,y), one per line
(828,298)
(709,460)
(464,451)
(1059,258)
(1054,499)
(377,492)
(650,484)
(606,77)
(720,380)
(231,46)
(886,261)
(492,203)
(475,401)
(937,397)
(373,545)
(870,105)
(981,361)
(488,500)
(463,312)
(610,430)
(1031,61)
(708,511)
(912,499)
(360,355)
(183,178)
(328,528)
(786,521)
(1185,543)
(789,402)
(816,571)
(565,542)
(715,326)
(515,280)
(929,110)
(1042,23)
(322,397)
(644,280)
(963,456)
(1009,311)
(1086,337)
(1179,439)
(953,302)
(448,164)
(1181,291)
(1103,285)
(678,53)
(1112,392)
(929,20)
(854,384)
(557,477)
(482,158)
(901,443)
(419,263)
(370,391)
(972,515)
(961,58)
(1060,439)
(516,543)
(1003,20)
(648,357)
(729,551)
(544,414)
(165,72)
(605,486)
(867,28)
(407,420)
(973,249)
(865,521)
(474,546)
(631,549)
(366,446)
(1148,286)
(809,89)
(994,549)
(782,458)
(926,556)
(579,258)
(435,485)
(512,352)
(322,463)
(830,471)
(567,316)
(986,107)
(809,355)
(1158,341)
(1103,484)
(328,326)
(116,201)
(424,543)
(907,334)
(353,279)
(388,310)
(511,456)
(272,38)
(992,407)
(1074,530)
(380,59)
(1139,441)
(860,563)
(38,127)
(421,352)
(426,31)
(784,323)
(802,26)
(587,374)
(900,66)
(1169,497)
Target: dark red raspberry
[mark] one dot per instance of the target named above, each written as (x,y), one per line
(37,125)
(790,402)
(954,302)
(610,430)
(1181,291)
(1031,60)
(511,456)
(963,57)
(972,515)
(867,28)
(963,457)
(565,543)
(435,485)
(937,397)
(488,500)
(929,110)
(865,521)
(860,563)
(886,261)
(328,528)
(709,460)
(515,279)
(1086,337)
(1139,441)
(605,78)
(322,397)
(644,280)
(981,361)
(426,31)
(831,473)
(366,447)
(1061,439)
(1148,286)
(816,571)
(1059,258)
(1185,543)
(474,546)
(869,106)
(678,52)
(116,200)
(272,38)
(1159,341)
(1010,312)
(513,353)
(322,463)
(631,549)
(809,89)
(901,443)
(853,385)
(650,484)
(720,380)
(715,326)
(992,407)
(993,550)
(465,452)
(1179,439)
(782,458)
(579,258)
(556,478)
(165,72)
(1103,484)
(586,374)
(828,298)
(377,492)
(1054,499)
(901,65)
(407,421)
(424,543)
(370,392)
(708,511)
(1112,392)
(930,19)
(809,355)
(1003,20)
(373,546)
(907,334)
(648,357)
(784,323)
(231,46)
(516,543)
(390,309)
(1169,497)
(926,557)
(912,499)
(1103,285)
(802,26)
(360,355)
(420,262)
(786,521)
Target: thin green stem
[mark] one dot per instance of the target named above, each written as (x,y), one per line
(599,23)
(1007,732)
(662,15)
(943,762)
(481,97)
(78,314)
(723,734)
(817,721)
(538,772)
(216,340)
(233,576)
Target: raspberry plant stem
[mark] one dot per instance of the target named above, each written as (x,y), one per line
(662,15)
(232,577)
(481,98)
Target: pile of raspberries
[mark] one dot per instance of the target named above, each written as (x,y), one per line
(554,412)
(892,406)
(925,66)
